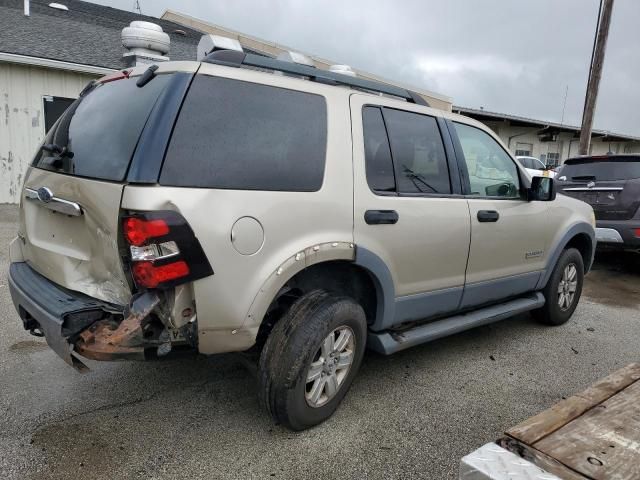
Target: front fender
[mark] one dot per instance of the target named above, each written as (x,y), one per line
(560,244)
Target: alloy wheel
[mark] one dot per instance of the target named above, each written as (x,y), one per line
(330,366)
(567,287)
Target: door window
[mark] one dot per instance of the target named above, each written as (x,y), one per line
(418,153)
(492,172)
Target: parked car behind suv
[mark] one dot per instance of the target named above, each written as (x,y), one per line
(535,167)
(301,217)
(611,185)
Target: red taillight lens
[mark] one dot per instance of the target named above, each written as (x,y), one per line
(163,250)
(137,230)
(637,232)
(148,275)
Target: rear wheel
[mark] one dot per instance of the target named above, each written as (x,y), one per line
(310,359)
(563,290)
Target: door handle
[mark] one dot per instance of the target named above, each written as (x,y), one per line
(488,216)
(381,217)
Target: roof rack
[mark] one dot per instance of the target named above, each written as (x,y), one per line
(235,58)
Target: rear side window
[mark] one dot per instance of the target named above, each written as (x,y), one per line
(603,170)
(100,130)
(239,135)
(418,153)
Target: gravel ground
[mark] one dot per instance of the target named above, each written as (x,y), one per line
(411,415)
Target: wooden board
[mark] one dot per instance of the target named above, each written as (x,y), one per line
(592,435)
(604,443)
(536,428)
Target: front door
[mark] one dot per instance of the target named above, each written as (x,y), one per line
(508,233)
(409,213)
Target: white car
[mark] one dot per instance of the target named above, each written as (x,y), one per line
(535,167)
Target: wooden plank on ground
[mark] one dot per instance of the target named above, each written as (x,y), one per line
(542,460)
(539,426)
(604,443)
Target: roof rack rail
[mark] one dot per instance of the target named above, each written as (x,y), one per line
(234,58)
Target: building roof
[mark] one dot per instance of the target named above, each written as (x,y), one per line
(546,127)
(87,33)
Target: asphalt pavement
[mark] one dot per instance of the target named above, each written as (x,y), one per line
(411,415)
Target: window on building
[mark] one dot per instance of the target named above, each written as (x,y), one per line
(492,172)
(524,149)
(553,159)
(54,107)
(419,158)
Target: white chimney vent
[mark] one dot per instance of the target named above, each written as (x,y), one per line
(210,43)
(145,42)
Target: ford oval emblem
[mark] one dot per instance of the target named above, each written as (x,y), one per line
(589,185)
(45,194)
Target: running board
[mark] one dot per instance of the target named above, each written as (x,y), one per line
(389,342)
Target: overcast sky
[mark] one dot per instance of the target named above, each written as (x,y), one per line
(510,56)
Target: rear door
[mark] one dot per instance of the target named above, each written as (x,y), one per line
(408,210)
(611,185)
(509,235)
(71,200)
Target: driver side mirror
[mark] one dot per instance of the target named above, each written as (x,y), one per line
(542,189)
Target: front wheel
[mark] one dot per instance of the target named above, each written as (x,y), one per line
(563,290)
(310,359)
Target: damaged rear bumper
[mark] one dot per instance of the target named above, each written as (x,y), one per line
(75,324)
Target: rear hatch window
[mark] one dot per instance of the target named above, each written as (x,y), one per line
(98,133)
(233,134)
(611,185)
(609,169)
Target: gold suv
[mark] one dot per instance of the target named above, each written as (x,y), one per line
(246,204)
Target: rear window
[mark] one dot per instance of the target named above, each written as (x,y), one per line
(603,170)
(101,130)
(239,135)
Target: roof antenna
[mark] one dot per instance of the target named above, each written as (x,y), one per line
(136,7)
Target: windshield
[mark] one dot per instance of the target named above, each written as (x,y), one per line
(603,170)
(98,133)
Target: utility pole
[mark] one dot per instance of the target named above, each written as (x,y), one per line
(595,73)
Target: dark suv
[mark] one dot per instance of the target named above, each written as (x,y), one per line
(611,185)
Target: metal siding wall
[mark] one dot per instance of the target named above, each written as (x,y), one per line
(22,117)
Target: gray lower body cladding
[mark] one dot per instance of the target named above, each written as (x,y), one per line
(394,341)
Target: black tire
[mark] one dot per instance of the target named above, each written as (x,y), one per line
(552,313)
(294,344)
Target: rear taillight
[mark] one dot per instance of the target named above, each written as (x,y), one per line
(163,250)
(636,232)
(138,230)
